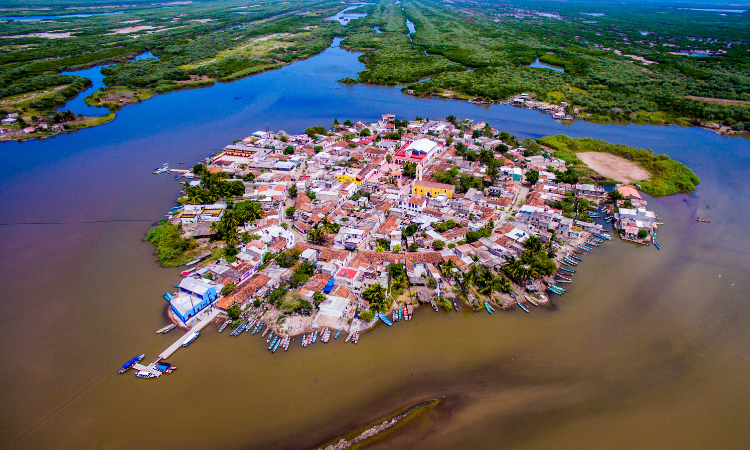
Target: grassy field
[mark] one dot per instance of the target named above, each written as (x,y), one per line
(667,175)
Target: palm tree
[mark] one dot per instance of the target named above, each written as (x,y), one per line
(485,282)
(493,173)
(316,234)
(513,267)
(502,284)
(534,245)
(375,294)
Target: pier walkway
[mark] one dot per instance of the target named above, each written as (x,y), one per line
(196,327)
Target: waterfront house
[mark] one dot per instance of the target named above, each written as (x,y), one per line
(194,296)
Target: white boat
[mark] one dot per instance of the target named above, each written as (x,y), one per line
(144,374)
(166,329)
(191,338)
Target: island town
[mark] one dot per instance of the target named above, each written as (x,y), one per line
(325,234)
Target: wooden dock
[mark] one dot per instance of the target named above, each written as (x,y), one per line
(178,343)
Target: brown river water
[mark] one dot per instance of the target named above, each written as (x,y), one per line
(648,349)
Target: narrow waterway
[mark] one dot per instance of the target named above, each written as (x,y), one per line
(648,349)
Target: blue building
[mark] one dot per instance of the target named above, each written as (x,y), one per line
(194,297)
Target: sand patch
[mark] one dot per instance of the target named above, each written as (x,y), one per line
(60,35)
(614,167)
(719,101)
(126,30)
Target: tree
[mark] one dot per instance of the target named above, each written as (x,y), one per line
(438,244)
(228,289)
(318,298)
(449,140)
(532,176)
(293,191)
(313,131)
(642,233)
(397,248)
(375,294)
(615,195)
(486,156)
(409,169)
(289,150)
(289,211)
(367,315)
(310,193)
(388,158)
(493,174)
(365,132)
(413,247)
(234,311)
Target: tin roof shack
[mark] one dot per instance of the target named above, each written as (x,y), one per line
(194,297)
(629,222)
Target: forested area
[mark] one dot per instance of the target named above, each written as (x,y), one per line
(621,63)
(483,49)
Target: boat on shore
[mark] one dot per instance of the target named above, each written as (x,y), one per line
(348,337)
(326,336)
(191,338)
(656,244)
(566,270)
(487,307)
(265,332)
(314,337)
(562,281)
(531,300)
(385,320)
(559,275)
(273,342)
(286,343)
(238,330)
(407,316)
(523,307)
(434,305)
(572,255)
(338,332)
(128,365)
(604,236)
(455,304)
(569,261)
(355,339)
(166,329)
(224,325)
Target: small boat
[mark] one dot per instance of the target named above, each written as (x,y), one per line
(270,336)
(407,316)
(168,296)
(250,324)
(265,332)
(434,305)
(523,307)
(326,336)
(657,245)
(570,262)
(573,255)
(385,319)
(336,336)
(275,338)
(258,328)
(554,290)
(348,337)
(567,270)
(167,329)
(355,339)
(131,363)
(595,244)
(286,343)
(224,325)
(164,367)
(304,341)
(398,312)
(145,374)
(702,220)
(566,262)
(192,337)
(276,347)
(487,307)
(583,247)
(455,305)
(531,300)
(605,236)
(563,277)
(562,281)
(237,331)
(394,315)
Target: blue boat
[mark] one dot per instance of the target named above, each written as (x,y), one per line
(575,257)
(131,363)
(568,261)
(385,319)
(337,334)
(276,347)
(168,296)
(224,325)
(238,330)
(657,245)
(602,236)
(523,307)
(275,338)
(567,270)
(487,307)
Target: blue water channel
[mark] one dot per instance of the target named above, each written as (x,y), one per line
(540,65)
(78,105)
